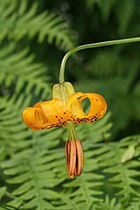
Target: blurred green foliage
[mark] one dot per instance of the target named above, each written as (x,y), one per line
(34,36)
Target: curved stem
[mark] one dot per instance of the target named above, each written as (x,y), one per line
(88,46)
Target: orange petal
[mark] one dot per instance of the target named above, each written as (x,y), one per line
(80,157)
(98,107)
(74,104)
(67,152)
(47,114)
(56,112)
(72,160)
(34,118)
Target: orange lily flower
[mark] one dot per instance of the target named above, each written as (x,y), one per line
(55,112)
(65,109)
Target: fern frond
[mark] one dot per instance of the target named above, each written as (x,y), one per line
(110,205)
(7,18)
(134,205)
(87,188)
(124,176)
(2,192)
(22,20)
(11,121)
(96,132)
(32,170)
(20,65)
(8,207)
(31,163)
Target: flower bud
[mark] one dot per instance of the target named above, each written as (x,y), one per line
(74,158)
(63,91)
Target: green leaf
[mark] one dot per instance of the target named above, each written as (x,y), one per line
(128,154)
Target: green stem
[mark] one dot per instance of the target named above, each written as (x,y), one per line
(88,46)
(71,131)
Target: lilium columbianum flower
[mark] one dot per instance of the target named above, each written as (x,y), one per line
(65,109)
(57,112)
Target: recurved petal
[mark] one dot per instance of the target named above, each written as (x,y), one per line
(34,118)
(47,114)
(98,107)
(74,104)
(56,112)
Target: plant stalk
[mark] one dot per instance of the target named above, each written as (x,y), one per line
(89,46)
